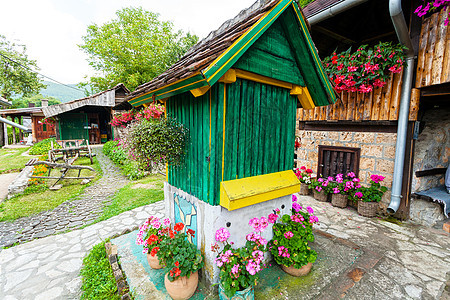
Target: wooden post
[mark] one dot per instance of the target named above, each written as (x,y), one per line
(20,131)
(5,132)
(13,130)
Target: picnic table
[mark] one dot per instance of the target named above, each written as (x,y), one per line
(70,150)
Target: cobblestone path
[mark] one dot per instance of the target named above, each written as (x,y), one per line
(48,268)
(69,215)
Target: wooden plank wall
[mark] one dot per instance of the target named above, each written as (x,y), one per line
(382,104)
(433,64)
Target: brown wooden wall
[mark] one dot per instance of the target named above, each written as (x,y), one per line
(382,104)
(433,63)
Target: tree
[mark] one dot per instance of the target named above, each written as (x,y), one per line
(36,99)
(16,75)
(133,48)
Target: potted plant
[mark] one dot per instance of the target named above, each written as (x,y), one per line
(182,261)
(239,267)
(291,235)
(342,187)
(321,188)
(304,176)
(150,235)
(368,197)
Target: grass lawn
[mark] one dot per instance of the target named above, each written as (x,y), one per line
(11,160)
(35,199)
(137,193)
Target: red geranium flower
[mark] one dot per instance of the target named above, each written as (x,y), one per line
(154,251)
(177,263)
(151,239)
(178,226)
(191,232)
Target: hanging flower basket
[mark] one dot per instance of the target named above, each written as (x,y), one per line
(339,200)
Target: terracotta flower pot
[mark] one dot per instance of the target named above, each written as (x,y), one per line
(304,189)
(320,196)
(181,288)
(297,272)
(339,200)
(153,261)
(367,209)
(247,294)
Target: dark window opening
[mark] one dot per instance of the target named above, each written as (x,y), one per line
(334,160)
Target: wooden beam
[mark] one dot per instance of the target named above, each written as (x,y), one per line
(200,91)
(430,172)
(228,77)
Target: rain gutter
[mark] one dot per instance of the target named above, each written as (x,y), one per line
(334,10)
(398,20)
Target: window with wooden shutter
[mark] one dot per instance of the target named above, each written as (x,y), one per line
(334,160)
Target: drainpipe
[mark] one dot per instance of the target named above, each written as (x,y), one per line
(398,20)
(334,10)
(21,127)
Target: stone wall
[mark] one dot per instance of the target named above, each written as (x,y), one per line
(377,152)
(432,148)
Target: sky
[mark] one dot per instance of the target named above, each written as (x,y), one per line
(52,29)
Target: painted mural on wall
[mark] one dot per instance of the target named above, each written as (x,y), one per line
(186,213)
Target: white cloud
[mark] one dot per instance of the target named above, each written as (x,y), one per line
(51,29)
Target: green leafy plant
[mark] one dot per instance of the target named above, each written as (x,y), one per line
(151,234)
(239,267)
(157,141)
(366,68)
(97,277)
(180,257)
(291,234)
(44,146)
(119,155)
(322,185)
(374,192)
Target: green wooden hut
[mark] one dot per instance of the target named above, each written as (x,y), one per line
(237,91)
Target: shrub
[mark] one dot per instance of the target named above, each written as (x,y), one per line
(43,146)
(118,155)
(98,279)
(157,141)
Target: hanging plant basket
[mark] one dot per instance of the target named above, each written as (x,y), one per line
(367,209)
(320,196)
(339,200)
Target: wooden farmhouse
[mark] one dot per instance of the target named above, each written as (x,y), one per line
(87,118)
(400,131)
(29,117)
(237,92)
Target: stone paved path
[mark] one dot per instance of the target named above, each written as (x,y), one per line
(415,262)
(48,268)
(70,214)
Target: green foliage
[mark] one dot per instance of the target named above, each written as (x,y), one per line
(289,245)
(118,155)
(36,99)
(303,3)
(133,48)
(43,146)
(15,75)
(12,160)
(374,192)
(97,277)
(180,257)
(157,141)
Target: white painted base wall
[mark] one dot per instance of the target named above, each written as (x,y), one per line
(210,218)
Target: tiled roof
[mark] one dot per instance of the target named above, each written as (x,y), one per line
(207,50)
